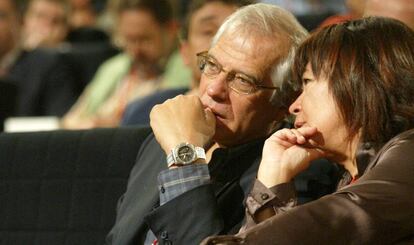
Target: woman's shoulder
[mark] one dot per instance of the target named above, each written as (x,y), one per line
(398,152)
(404,139)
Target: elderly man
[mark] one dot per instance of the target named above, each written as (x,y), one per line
(206,149)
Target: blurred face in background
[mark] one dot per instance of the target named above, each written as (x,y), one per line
(142,37)
(9,27)
(203,25)
(45,24)
(402,10)
(80,3)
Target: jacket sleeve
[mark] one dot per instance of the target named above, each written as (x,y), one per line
(262,202)
(376,209)
(173,222)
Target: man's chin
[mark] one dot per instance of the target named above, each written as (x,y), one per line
(224,136)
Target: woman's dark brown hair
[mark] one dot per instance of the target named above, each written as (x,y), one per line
(369,64)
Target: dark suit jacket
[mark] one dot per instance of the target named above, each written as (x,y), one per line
(46,85)
(216,208)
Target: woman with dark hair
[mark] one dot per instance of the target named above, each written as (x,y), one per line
(357,109)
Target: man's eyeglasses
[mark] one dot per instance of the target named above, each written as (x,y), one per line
(239,82)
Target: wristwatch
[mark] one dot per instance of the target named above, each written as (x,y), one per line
(184,154)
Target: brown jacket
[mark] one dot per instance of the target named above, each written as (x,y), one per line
(376,209)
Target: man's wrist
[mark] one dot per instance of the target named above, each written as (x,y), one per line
(185,154)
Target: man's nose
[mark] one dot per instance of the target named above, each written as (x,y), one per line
(136,48)
(218,88)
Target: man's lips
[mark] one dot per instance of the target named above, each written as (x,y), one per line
(217,113)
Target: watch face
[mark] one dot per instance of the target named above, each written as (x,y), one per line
(186,154)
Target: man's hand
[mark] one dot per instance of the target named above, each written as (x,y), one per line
(287,153)
(182,119)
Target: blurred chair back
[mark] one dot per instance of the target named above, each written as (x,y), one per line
(84,60)
(62,187)
(8,100)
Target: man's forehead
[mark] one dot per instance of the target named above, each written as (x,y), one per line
(251,54)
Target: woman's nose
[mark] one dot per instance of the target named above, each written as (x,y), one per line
(296,106)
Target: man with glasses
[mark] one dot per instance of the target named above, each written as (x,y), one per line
(191,177)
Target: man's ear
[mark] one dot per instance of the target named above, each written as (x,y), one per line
(185,52)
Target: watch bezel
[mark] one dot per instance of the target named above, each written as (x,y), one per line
(177,157)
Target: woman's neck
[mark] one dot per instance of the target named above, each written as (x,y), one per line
(350,163)
(351,166)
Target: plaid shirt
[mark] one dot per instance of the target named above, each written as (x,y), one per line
(176,181)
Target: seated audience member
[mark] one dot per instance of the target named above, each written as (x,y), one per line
(355,10)
(82,14)
(45,85)
(203,20)
(45,24)
(357,109)
(83,22)
(402,10)
(146,31)
(192,174)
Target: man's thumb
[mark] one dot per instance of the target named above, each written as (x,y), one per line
(210,118)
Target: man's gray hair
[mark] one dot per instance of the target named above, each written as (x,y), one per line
(269,21)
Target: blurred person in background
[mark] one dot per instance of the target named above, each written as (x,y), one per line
(45,24)
(106,20)
(203,19)
(146,33)
(306,7)
(82,14)
(355,10)
(45,85)
(402,10)
(9,34)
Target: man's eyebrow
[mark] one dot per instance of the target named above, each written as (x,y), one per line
(239,72)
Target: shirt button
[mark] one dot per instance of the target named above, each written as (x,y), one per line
(164,235)
(264,196)
(162,189)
